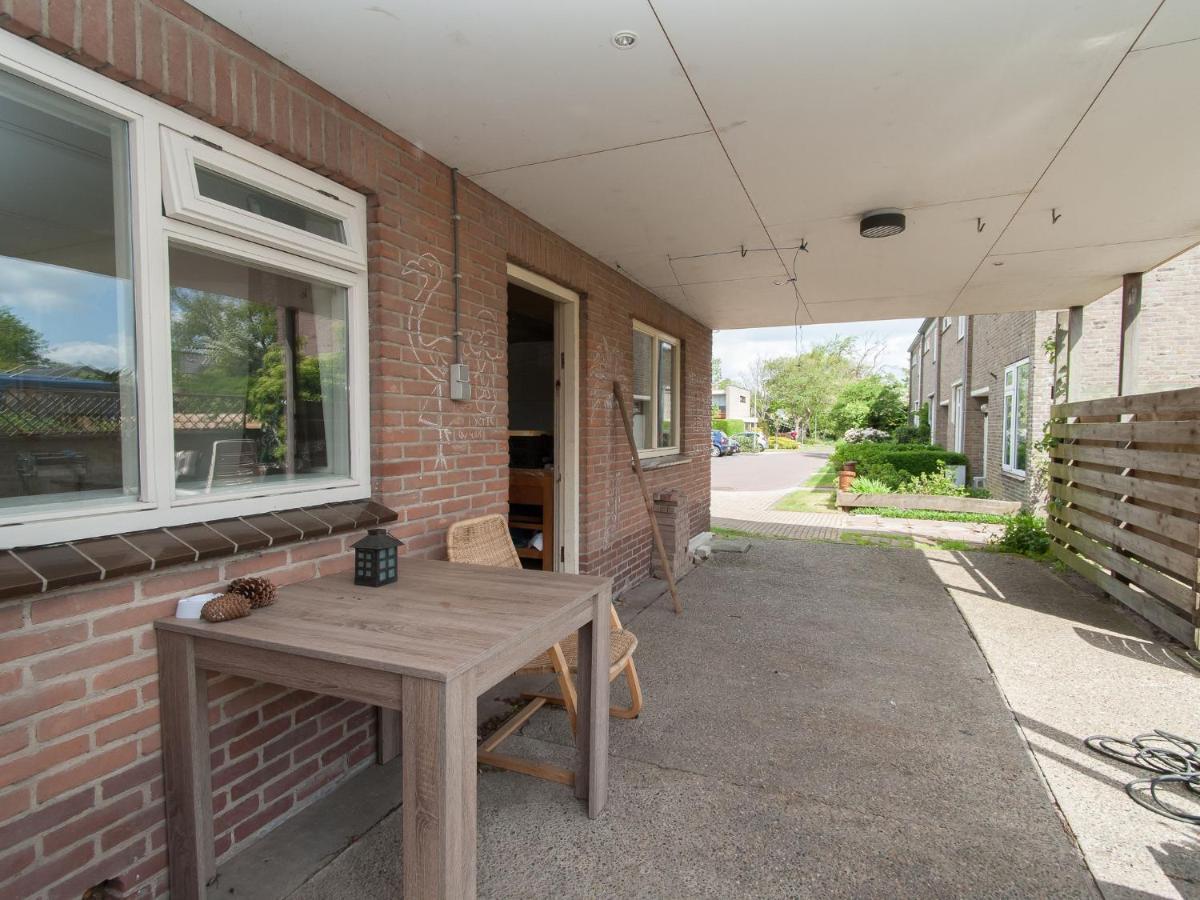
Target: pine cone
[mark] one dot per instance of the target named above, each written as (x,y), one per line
(225,607)
(254,588)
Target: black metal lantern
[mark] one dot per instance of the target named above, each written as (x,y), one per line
(375,558)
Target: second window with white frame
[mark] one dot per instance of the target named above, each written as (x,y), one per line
(656,391)
(1015,432)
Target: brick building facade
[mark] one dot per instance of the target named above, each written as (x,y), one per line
(1167,356)
(80,771)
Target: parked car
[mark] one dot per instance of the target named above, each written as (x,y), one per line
(755,436)
(720,444)
(734,446)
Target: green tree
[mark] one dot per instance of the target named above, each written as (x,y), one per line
(876,401)
(20,343)
(803,388)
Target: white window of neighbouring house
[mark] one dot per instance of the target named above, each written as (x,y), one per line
(656,380)
(956,410)
(937,339)
(945,322)
(182,317)
(962,327)
(1015,423)
(932,420)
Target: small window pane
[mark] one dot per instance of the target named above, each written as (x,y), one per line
(235,193)
(666,394)
(68,399)
(258,376)
(643,426)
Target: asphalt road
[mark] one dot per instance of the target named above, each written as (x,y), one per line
(771,471)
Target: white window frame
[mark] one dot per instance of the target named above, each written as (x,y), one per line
(156,505)
(957,411)
(937,339)
(676,390)
(945,322)
(962,327)
(182,153)
(932,419)
(1009,436)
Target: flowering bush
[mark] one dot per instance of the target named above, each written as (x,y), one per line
(865,436)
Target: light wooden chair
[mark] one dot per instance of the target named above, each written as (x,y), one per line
(485,541)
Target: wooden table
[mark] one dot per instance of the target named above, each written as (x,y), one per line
(427,646)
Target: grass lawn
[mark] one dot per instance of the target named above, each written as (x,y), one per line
(808,499)
(889,512)
(826,476)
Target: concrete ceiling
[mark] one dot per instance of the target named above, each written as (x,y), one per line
(1040,150)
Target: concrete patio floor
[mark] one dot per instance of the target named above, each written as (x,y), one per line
(819,722)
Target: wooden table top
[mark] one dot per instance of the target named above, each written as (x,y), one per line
(437,621)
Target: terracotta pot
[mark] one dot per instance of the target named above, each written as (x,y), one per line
(846,476)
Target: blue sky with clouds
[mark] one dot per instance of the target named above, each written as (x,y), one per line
(77,312)
(737,349)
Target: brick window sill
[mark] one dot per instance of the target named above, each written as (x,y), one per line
(36,570)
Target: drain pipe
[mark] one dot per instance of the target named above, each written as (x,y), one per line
(460,382)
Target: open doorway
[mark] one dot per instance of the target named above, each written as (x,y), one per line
(543,421)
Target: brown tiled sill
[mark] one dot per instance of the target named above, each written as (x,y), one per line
(35,570)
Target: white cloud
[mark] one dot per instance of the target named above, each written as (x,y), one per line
(738,349)
(105,357)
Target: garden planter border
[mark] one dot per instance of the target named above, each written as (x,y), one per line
(846,500)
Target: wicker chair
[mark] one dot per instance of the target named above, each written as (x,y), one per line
(485,541)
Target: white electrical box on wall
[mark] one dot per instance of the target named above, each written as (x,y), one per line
(460,382)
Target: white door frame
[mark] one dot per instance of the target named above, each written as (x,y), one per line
(566,410)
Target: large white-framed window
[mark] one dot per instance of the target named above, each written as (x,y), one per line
(183,316)
(1015,422)
(656,391)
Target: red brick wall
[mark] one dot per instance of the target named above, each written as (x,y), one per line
(80,773)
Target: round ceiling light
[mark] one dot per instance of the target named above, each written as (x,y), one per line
(623,40)
(881,223)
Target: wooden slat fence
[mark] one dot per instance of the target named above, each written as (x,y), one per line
(1124,506)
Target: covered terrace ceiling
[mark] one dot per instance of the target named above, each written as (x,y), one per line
(1039,149)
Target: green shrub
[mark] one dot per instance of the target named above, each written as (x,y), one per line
(779,442)
(910,434)
(747,443)
(895,463)
(729,426)
(1025,534)
(938,484)
(870,486)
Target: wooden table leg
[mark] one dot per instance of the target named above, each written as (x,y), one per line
(183,707)
(439,788)
(591,733)
(387,734)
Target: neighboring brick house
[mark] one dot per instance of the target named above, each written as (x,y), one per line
(1002,363)
(372,335)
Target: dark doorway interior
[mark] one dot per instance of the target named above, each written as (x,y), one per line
(531,415)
